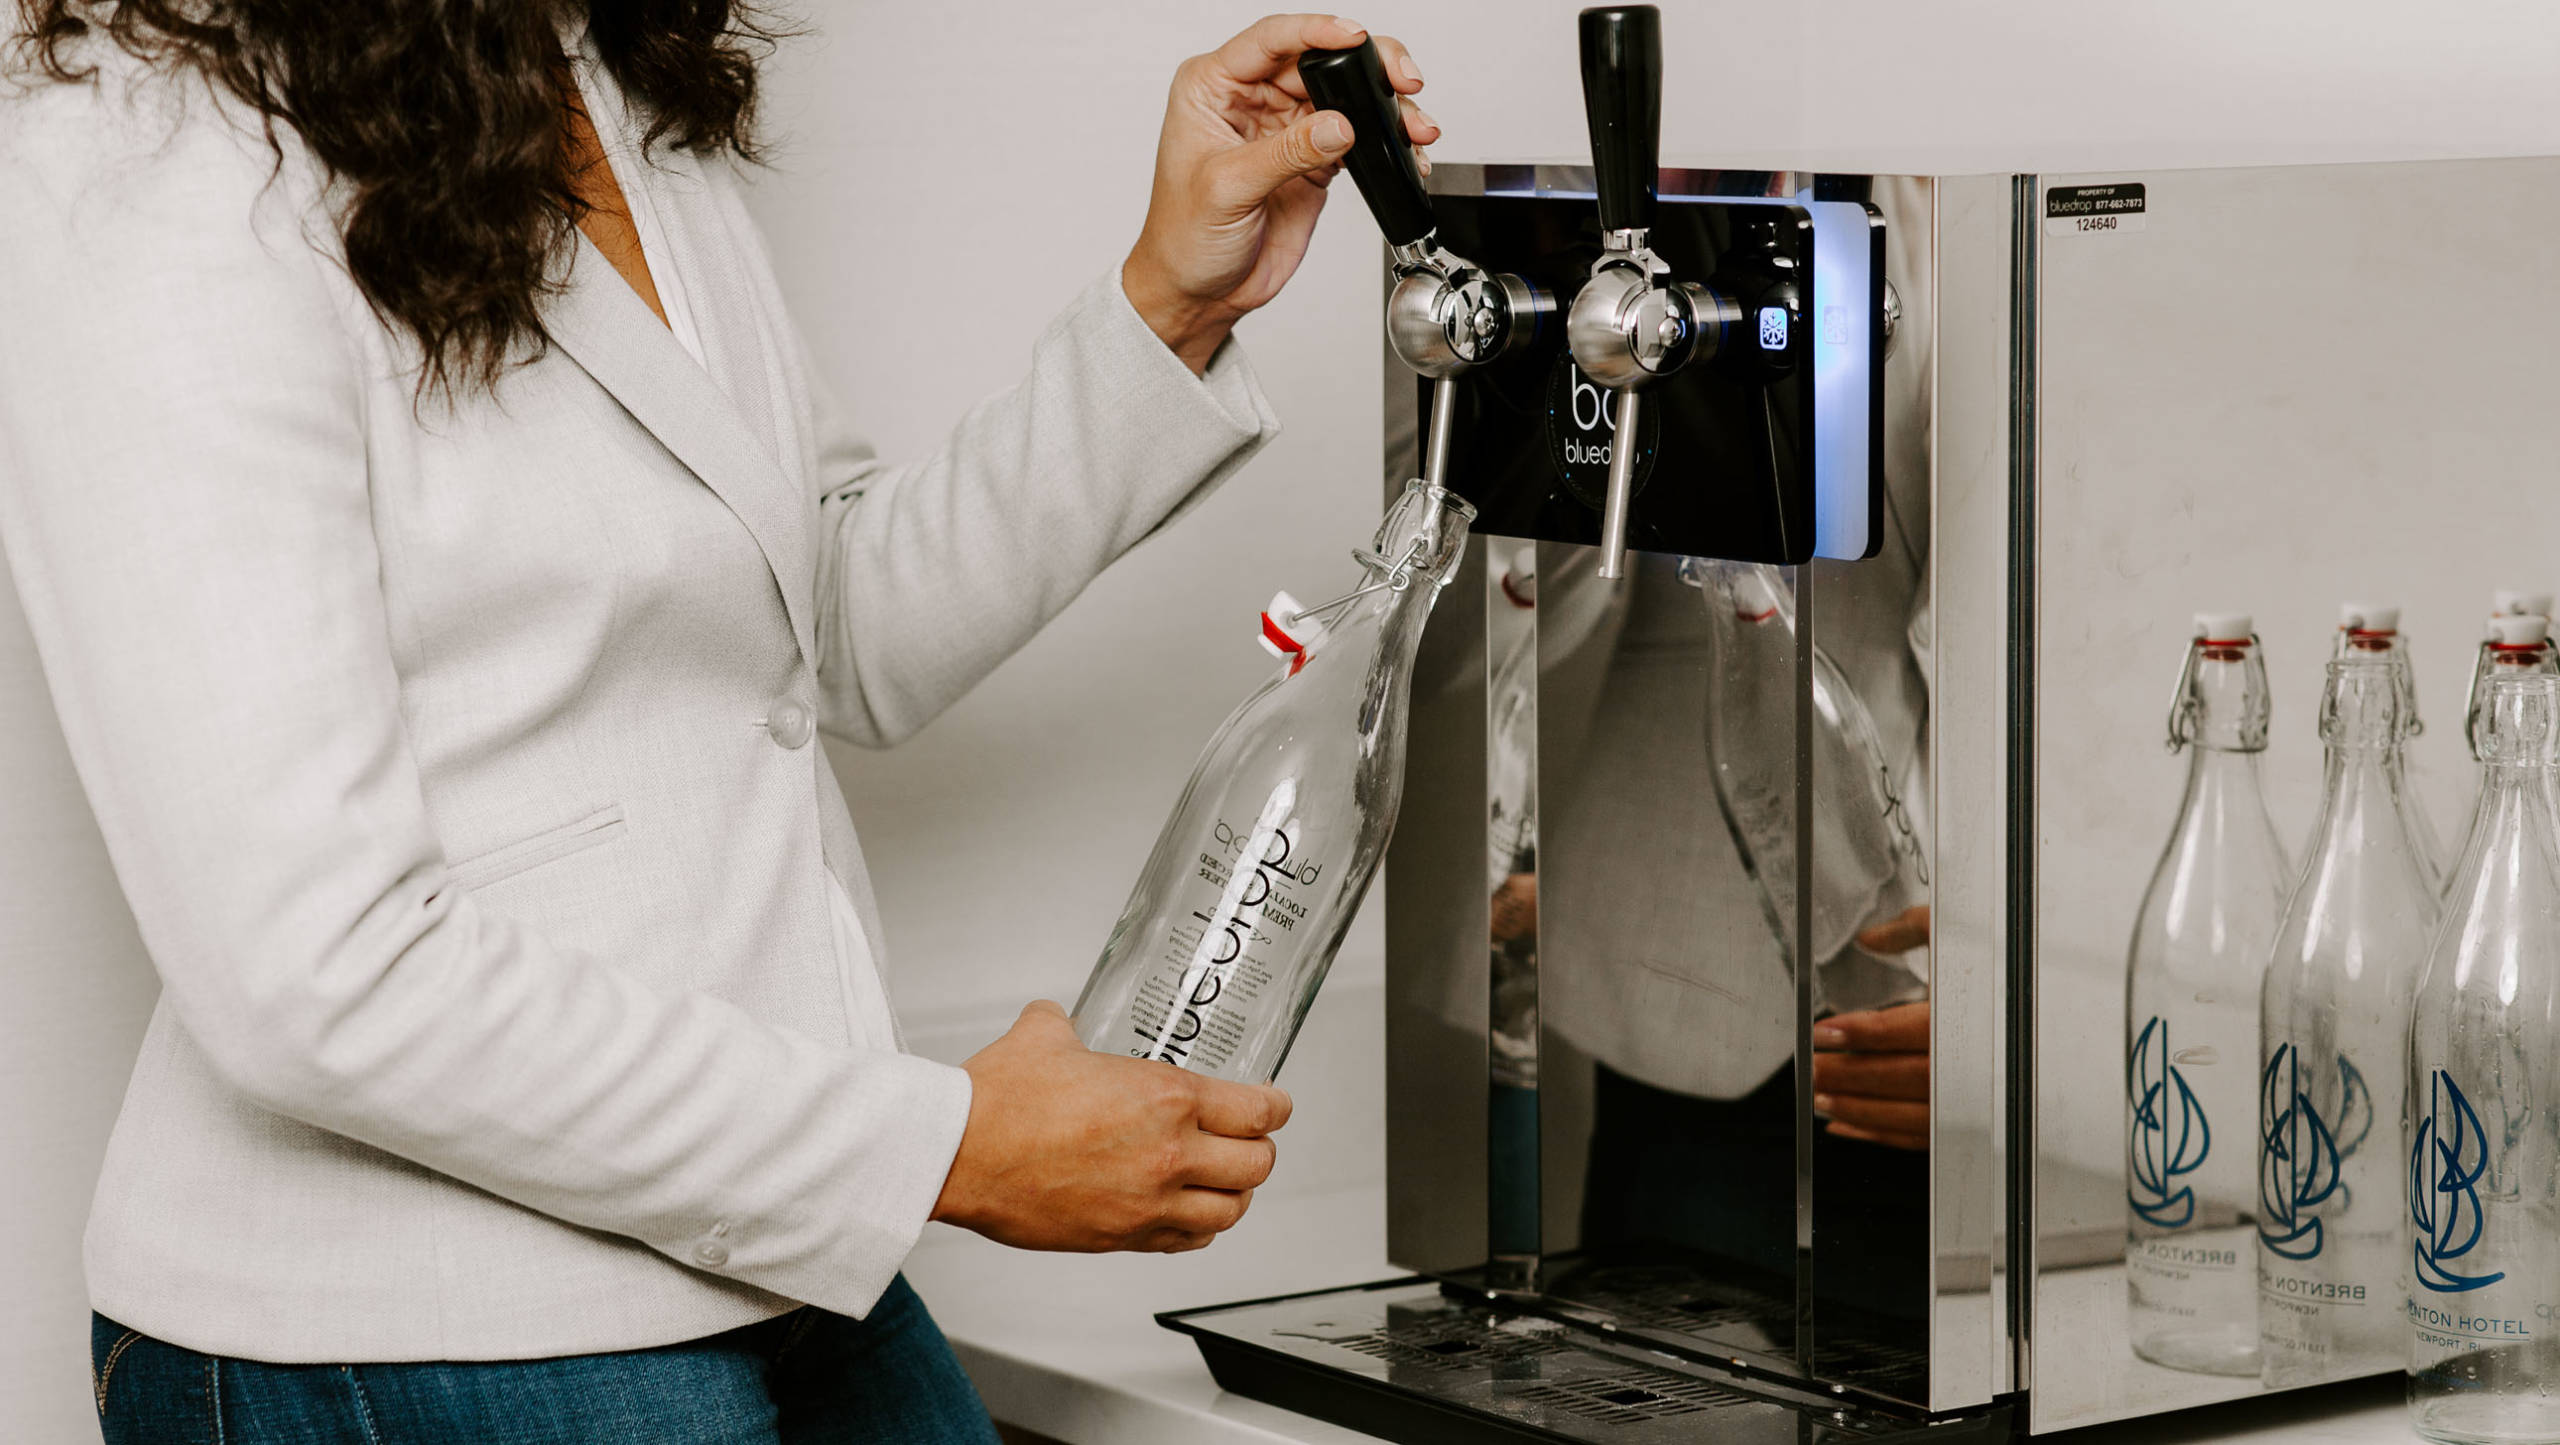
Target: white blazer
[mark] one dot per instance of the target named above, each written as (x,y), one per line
(456,761)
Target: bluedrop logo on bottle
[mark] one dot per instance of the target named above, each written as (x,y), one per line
(2448,1154)
(1261,898)
(2300,1155)
(2169,1136)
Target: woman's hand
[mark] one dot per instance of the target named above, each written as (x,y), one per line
(1872,1078)
(1070,1149)
(1240,177)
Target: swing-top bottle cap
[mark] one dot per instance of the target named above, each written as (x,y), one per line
(1754,600)
(1285,634)
(1520,578)
(2366,617)
(2230,627)
(2507,602)
(2513,630)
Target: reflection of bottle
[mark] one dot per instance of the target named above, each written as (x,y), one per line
(1861,836)
(1228,934)
(2333,1019)
(2483,1143)
(2199,949)
(1511,771)
(2365,630)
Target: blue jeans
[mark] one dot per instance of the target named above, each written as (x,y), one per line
(806,1378)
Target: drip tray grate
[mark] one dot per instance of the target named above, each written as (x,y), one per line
(1413,1363)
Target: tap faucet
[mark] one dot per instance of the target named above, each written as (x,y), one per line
(1445,314)
(1632,323)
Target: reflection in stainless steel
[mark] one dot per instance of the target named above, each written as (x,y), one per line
(1511,792)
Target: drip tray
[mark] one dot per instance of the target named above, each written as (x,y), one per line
(1409,1361)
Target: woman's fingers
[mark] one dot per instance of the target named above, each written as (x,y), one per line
(1419,127)
(1402,73)
(1218,1162)
(1899,934)
(1240,1111)
(1208,1211)
(1877,1076)
(1269,48)
(1904,1027)
(1916,1142)
(1884,1116)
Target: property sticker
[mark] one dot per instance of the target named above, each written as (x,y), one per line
(2095,210)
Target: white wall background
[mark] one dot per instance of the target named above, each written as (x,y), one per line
(951,171)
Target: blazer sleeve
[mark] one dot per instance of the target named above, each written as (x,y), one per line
(931,573)
(184,505)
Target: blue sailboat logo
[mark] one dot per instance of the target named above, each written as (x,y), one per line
(2449,1155)
(2298,1156)
(2169,1135)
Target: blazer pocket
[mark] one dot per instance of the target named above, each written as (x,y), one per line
(548,846)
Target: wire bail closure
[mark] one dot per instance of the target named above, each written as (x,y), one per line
(1393,576)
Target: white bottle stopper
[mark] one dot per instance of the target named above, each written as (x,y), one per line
(2366,617)
(2520,631)
(1286,635)
(1520,579)
(2507,602)
(2225,627)
(1754,600)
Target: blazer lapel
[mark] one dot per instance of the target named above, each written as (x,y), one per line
(608,330)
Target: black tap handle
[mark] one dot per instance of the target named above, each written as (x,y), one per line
(1354,82)
(1622,95)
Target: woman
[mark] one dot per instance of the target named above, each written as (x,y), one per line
(441,559)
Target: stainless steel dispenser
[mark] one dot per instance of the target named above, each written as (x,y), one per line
(2086,407)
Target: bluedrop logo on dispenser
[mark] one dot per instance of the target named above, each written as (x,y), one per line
(2170,1135)
(2300,1154)
(2449,1153)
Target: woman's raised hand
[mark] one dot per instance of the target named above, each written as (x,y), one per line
(1240,178)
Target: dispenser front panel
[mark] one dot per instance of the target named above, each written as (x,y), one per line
(1731,451)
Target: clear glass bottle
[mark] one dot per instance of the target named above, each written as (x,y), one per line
(2200,947)
(2332,1052)
(1862,837)
(2483,1135)
(1227,936)
(2503,604)
(2367,630)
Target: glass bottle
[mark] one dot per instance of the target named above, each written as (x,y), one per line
(2368,630)
(2483,1136)
(1862,836)
(1224,941)
(2503,603)
(2200,948)
(2333,1035)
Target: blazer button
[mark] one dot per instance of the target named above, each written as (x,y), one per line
(710,1256)
(790,723)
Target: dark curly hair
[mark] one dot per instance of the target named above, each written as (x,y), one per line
(442,124)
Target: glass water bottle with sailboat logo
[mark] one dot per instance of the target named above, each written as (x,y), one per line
(2200,947)
(2370,630)
(2483,1144)
(2333,1038)
(1227,936)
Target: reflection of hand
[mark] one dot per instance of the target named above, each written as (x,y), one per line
(1515,907)
(1901,933)
(1872,1078)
